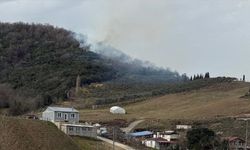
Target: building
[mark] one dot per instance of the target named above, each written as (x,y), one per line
(160,143)
(79,130)
(235,143)
(167,135)
(183,127)
(67,120)
(61,114)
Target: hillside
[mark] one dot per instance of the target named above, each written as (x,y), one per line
(121,91)
(215,101)
(39,65)
(43,61)
(25,134)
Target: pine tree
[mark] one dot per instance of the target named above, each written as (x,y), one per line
(207,75)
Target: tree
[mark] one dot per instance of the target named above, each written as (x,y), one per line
(201,138)
(207,75)
(194,77)
(184,77)
(244,78)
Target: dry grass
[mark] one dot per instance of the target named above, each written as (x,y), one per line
(220,100)
(23,134)
(93,144)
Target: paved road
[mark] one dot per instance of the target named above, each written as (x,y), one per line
(131,126)
(120,145)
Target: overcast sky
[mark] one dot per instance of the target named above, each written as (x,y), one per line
(190,36)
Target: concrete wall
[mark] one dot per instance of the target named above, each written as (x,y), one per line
(48,116)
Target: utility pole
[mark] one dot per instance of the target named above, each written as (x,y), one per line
(246,134)
(113,138)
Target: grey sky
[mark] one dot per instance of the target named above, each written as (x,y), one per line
(192,36)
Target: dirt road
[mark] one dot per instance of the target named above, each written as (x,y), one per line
(131,126)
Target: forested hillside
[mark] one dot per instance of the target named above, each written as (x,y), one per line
(44,60)
(39,65)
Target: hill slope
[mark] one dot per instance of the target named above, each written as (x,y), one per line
(41,63)
(25,134)
(218,100)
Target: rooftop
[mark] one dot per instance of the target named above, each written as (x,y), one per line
(142,133)
(232,138)
(79,125)
(62,109)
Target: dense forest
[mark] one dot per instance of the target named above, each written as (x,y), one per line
(39,65)
(44,60)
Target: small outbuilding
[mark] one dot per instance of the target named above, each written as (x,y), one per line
(117,110)
(79,130)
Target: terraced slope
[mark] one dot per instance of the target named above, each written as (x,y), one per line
(219,100)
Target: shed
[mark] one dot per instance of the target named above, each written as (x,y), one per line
(79,130)
(117,110)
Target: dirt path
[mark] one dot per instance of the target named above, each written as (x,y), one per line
(120,145)
(131,126)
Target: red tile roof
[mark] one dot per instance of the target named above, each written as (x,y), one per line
(233,138)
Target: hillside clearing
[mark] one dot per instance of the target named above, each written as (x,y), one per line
(220,100)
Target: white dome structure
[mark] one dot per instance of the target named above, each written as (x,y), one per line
(117,110)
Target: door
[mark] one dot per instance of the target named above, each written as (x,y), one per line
(66,117)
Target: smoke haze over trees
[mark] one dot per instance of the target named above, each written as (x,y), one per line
(43,61)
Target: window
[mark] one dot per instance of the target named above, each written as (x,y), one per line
(59,115)
(84,129)
(72,115)
(71,129)
(77,129)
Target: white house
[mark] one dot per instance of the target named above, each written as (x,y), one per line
(79,130)
(67,120)
(117,110)
(167,135)
(159,143)
(183,127)
(61,114)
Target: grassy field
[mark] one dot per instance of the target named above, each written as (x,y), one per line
(92,144)
(24,134)
(215,107)
(220,100)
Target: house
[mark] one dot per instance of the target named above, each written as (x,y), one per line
(183,127)
(235,143)
(159,143)
(79,130)
(61,114)
(167,135)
